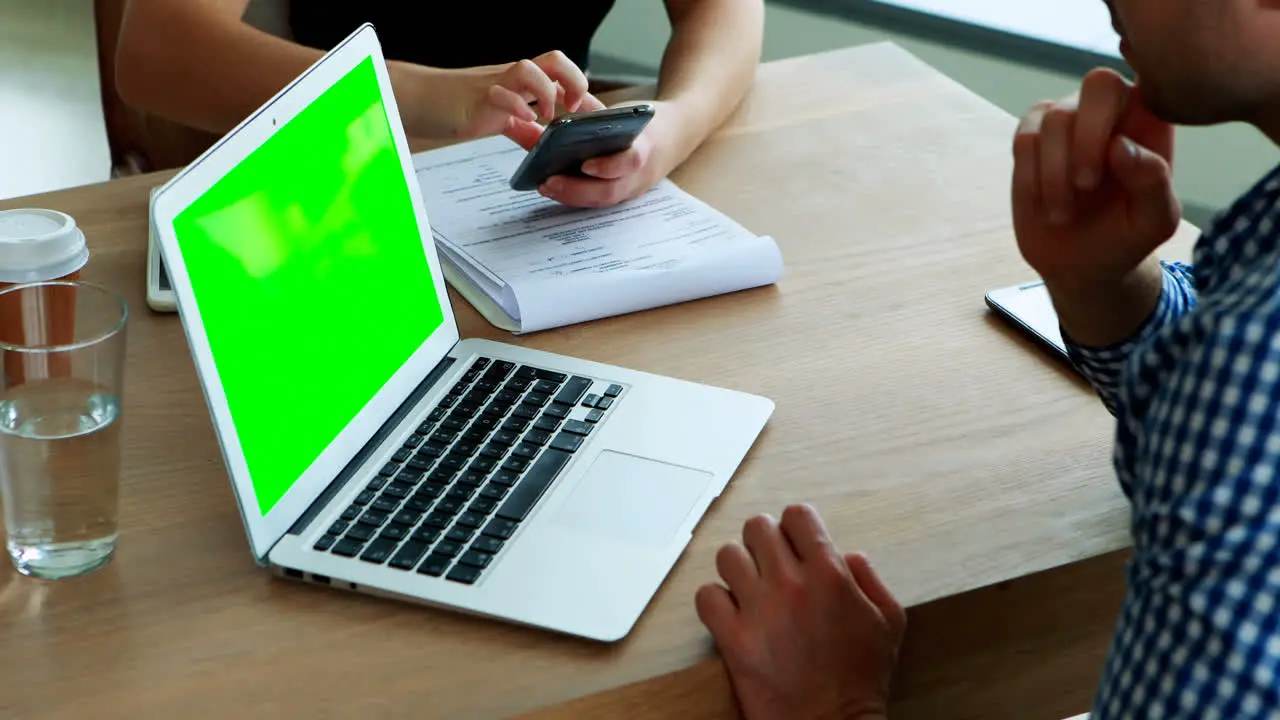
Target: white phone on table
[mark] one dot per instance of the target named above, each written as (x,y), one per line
(1029,308)
(159,290)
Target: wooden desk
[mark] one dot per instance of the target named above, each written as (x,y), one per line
(929,435)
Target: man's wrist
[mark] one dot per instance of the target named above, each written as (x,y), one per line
(1103,314)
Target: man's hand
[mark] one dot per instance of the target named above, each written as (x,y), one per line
(614,178)
(805,632)
(1092,201)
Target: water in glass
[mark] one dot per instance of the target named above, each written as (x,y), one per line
(60,459)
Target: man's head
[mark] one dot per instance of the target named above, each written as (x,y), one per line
(1202,62)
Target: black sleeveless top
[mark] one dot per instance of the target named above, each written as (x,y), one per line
(458,34)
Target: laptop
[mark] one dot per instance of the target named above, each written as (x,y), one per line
(370,449)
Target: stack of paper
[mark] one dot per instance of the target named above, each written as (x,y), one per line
(528,263)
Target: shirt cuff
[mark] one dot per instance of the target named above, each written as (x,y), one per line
(1102,366)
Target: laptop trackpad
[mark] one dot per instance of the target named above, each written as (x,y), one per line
(632,499)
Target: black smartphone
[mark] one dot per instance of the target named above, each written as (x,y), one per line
(572,139)
(1029,308)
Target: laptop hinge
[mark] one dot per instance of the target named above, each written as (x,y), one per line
(380,437)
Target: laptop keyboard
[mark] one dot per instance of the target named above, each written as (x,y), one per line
(480,460)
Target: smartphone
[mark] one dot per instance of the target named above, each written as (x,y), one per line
(1030,310)
(572,139)
(160,295)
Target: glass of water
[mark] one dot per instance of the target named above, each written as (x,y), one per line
(62,347)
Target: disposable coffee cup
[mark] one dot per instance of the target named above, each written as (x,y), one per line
(38,246)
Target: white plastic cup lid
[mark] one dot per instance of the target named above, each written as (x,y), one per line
(38,245)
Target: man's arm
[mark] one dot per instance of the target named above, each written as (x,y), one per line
(1198,635)
(708,65)
(1102,327)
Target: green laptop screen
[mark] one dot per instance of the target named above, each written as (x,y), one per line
(308,269)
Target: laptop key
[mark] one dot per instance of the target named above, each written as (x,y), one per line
(395,533)
(430,491)
(428,426)
(613,390)
(605,403)
(536,399)
(525,412)
(408,555)
(537,437)
(464,574)
(347,548)
(577,427)
(590,401)
(449,401)
(400,455)
(493,492)
(389,469)
(506,437)
(547,423)
(325,542)
(377,483)
(475,559)
(361,533)
(465,448)
(434,565)
(558,410)
(453,424)
(407,517)
(447,548)
(436,415)
(500,529)
(373,518)
(379,551)
(443,437)
(487,423)
(439,520)
(385,504)
(526,372)
(450,506)
(461,493)
(515,425)
(442,476)
(470,520)
(517,385)
(398,492)
(494,450)
(595,416)
(413,441)
(351,513)
(425,535)
(567,441)
(459,535)
(506,478)
(483,505)
(487,544)
(418,504)
(420,464)
(472,478)
(546,387)
(573,390)
(553,376)
(535,483)
(338,527)
(364,498)
(515,464)
(432,450)
(483,465)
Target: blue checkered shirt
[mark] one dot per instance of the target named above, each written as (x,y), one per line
(1196,395)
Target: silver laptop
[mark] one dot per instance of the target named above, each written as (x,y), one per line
(372,450)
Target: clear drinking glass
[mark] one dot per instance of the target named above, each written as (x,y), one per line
(62,348)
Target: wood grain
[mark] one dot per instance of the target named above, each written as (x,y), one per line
(929,435)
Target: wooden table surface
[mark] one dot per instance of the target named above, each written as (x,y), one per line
(951,450)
